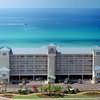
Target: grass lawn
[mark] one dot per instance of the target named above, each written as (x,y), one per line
(80,96)
(32,96)
(35,96)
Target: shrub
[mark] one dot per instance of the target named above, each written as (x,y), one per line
(77,90)
(43,88)
(57,88)
(69,86)
(65,91)
(72,92)
(34,88)
(23,91)
(52,90)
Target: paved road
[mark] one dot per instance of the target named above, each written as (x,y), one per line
(86,86)
(81,87)
(2,98)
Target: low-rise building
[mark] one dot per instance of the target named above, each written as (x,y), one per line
(53,63)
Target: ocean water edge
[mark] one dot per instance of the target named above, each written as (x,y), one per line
(31,28)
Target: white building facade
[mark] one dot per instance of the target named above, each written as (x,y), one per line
(53,63)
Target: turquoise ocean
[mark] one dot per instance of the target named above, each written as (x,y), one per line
(65,27)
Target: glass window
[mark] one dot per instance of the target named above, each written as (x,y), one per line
(97,53)
(4,54)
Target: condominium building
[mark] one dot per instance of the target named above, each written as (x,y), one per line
(50,63)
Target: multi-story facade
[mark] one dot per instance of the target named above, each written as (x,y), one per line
(52,63)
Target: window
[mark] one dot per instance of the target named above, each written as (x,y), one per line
(98,74)
(3,75)
(22,56)
(52,50)
(97,53)
(4,53)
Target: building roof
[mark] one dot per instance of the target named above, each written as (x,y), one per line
(5,49)
(75,50)
(30,51)
(44,50)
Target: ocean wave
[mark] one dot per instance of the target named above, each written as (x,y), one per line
(13,24)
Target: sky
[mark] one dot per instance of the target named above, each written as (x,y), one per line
(49,3)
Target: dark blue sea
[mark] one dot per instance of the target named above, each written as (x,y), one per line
(42,26)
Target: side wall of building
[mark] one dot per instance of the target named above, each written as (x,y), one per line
(73,64)
(28,65)
(51,64)
(4,64)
